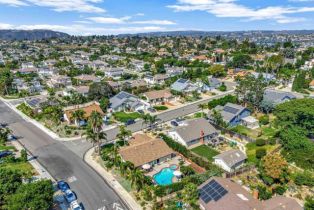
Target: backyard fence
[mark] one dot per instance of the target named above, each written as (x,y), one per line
(232,133)
(239,171)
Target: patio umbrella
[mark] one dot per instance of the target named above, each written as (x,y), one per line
(177,173)
(146,166)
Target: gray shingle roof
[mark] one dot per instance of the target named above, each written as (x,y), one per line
(193,128)
(122,97)
(231,157)
(229,111)
(276,96)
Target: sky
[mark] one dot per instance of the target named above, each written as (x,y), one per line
(103,17)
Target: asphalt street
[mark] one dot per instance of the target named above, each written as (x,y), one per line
(166,116)
(62,162)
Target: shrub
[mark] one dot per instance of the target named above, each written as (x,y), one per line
(260,142)
(160,108)
(264,120)
(261,152)
(305,178)
(280,190)
(272,141)
(263,193)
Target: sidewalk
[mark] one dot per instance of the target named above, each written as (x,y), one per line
(127,198)
(43,174)
(37,124)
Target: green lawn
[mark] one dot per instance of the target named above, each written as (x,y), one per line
(123,116)
(3,147)
(160,108)
(25,167)
(251,151)
(268,132)
(205,151)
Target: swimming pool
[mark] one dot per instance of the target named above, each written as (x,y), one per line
(164,177)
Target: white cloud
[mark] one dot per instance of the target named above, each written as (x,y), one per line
(109,20)
(230,8)
(60,5)
(78,29)
(155,22)
(13,2)
(5,26)
(127,20)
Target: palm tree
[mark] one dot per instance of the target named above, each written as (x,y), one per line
(202,107)
(146,119)
(95,122)
(4,133)
(137,179)
(77,115)
(124,133)
(90,136)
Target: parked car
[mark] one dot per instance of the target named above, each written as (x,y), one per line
(3,124)
(174,123)
(11,137)
(76,206)
(5,153)
(140,111)
(70,196)
(129,122)
(63,186)
(152,110)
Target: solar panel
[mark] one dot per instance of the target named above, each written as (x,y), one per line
(212,191)
(122,95)
(230,109)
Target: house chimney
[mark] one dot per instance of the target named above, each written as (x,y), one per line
(202,137)
(255,194)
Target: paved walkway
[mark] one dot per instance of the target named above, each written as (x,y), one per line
(42,172)
(128,199)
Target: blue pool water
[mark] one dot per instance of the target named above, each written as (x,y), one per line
(164,177)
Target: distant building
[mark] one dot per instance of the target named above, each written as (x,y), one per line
(159,96)
(230,160)
(124,101)
(184,86)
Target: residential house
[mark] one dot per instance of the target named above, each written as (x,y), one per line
(143,149)
(37,103)
(134,84)
(86,78)
(223,194)
(114,73)
(159,96)
(214,83)
(115,85)
(47,71)
(26,70)
(277,97)
(27,65)
(230,160)
(184,86)
(126,101)
(232,114)
(59,81)
(98,65)
(88,108)
(194,132)
(156,79)
(83,90)
(267,77)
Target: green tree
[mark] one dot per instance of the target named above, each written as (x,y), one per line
(99,90)
(36,196)
(6,79)
(217,70)
(309,203)
(190,196)
(95,122)
(10,181)
(137,178)
(78,115)
(124,133)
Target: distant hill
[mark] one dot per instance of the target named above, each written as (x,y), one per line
(30,34)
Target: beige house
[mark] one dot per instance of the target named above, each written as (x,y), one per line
(143,150)
(159,96)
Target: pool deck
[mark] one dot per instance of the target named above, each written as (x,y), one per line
(159,167)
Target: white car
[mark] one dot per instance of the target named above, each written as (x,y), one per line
(74,205)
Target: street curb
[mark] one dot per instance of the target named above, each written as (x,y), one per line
(108,184)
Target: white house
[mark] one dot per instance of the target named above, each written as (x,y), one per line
(230,160)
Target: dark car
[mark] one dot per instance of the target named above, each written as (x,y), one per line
(11,137)
(129,122)
(152,110)
(70,196)
(174,123)
(63,186)
(5,154)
